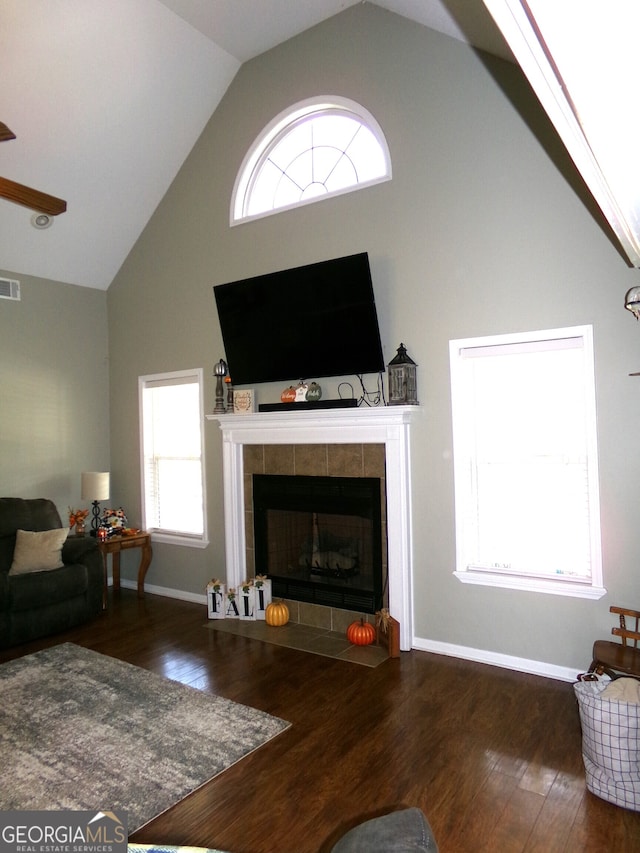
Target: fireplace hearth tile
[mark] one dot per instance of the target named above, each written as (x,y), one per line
(305,638)
(345,460)
(311,459)
(279,459)
(253,458)
(341,619)
(330,644)
(373,457)
(314,614)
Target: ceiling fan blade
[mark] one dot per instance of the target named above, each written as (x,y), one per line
(5,133)
(32,199)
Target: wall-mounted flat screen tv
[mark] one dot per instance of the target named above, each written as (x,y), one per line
(306,323)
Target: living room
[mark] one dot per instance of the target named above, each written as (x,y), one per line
(485,228)
(477,233)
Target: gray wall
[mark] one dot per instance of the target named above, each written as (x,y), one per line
(54,390)
(482,230)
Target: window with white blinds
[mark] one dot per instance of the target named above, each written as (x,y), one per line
(172,456)
(525,462)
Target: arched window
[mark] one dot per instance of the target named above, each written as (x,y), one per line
(315,149)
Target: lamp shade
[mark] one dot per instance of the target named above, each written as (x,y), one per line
(95,485)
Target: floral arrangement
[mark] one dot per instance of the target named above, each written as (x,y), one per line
(77,515)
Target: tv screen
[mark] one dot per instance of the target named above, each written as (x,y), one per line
(301,323)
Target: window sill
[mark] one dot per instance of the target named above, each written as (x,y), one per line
(526,584)
(177,539)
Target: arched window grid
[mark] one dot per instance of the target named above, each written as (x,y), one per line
(316,179)
(261,166)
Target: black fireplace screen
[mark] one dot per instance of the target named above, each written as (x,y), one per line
(320,539)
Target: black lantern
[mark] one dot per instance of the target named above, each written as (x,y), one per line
(403,389)
(219,371)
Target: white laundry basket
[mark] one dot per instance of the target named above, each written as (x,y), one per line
(610,745)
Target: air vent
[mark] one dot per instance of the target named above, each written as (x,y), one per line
(9,289)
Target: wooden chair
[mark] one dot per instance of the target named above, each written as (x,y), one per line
(616,659)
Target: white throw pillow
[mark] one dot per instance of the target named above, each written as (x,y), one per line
(38,551)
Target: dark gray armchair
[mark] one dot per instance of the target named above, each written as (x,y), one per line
(38,603)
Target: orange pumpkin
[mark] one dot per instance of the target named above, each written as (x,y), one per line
(361,633)
(277,613)
(288,395)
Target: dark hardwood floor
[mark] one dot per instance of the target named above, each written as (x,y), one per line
(492,757)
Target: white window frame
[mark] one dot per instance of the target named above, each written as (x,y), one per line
(274,132)
(193,376)
(464,434)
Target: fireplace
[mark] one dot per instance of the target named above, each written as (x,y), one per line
(320,539)
(388,426)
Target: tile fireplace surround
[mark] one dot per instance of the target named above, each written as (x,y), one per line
(386,425)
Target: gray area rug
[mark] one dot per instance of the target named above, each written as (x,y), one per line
(82,731)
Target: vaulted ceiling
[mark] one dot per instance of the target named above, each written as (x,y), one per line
(106,100)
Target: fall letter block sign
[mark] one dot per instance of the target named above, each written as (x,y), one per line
(216,599)
(262,591)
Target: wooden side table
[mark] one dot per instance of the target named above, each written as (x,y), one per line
(114,545)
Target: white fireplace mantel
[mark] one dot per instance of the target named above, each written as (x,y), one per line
(388,425)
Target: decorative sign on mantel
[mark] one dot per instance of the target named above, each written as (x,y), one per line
(244,401)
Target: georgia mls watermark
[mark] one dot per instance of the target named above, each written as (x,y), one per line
(63,832)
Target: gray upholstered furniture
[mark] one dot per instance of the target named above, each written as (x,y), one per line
(403,831)
(38,603)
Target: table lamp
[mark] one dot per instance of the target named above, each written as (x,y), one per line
(95,488)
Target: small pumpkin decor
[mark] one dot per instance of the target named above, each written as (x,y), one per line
(314,393)
(276,614)
(288,395)
(361,633)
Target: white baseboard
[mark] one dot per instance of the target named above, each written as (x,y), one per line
(534,667)
(181,595)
